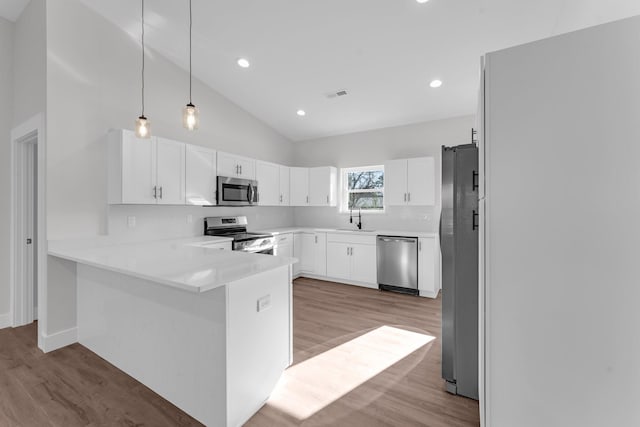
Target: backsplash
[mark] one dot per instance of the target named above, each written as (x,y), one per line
(394,218)
(153,222)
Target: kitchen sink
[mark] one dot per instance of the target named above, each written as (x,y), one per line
(355,229)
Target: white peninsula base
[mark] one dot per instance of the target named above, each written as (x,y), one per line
(217,355)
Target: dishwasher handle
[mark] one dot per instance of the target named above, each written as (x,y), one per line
(397,239)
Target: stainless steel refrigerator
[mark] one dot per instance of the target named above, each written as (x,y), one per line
(459,248)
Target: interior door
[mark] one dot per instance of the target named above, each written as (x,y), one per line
(171,176)
(395,182)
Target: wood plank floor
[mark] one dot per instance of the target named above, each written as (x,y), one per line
(74,387)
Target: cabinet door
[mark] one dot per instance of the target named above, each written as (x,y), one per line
(299,185)
(320,254)
(322,186)
(200,176)
(138,168)
(297,252)
(227,165)
(428,267)
(421,181)
(363,263)
(268,177)
(307,252)
(284,245)
(284,186)
(170,170)
(395,182)
(247,167)
(338,260)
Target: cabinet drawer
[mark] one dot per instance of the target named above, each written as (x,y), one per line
(351,238)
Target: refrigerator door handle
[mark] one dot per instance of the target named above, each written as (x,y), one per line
(474,181)
(474,224)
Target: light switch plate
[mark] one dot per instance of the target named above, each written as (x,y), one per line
(264,303)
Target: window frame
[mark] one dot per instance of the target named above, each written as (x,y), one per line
(344,190)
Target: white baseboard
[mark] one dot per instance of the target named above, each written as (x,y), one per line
(59,339)
(5,320)
(429,294)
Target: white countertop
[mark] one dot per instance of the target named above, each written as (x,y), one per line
(403,233)
(186,263)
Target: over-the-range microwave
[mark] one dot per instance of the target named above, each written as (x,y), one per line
(237,191)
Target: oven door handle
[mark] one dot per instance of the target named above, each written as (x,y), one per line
(250,193)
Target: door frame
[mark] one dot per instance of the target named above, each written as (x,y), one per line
(21,300)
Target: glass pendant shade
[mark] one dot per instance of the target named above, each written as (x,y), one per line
(143,127)
(190,117)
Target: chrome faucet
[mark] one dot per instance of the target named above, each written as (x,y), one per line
(359,224)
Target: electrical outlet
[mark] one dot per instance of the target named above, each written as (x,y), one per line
(189,219)
(131,221)
(264,303)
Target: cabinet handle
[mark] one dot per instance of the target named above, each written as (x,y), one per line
(409,197)
(405,197)
(327,199)
(240,169)
(347,250)
(155,192)
(281,198)
(161,192)
(316,239)
(420,246)
(474,224)
(307,199)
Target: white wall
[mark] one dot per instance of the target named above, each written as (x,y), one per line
(562,203)
(30,65)
(6,116)
(373,148)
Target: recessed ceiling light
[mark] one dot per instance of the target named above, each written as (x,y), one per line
(301,113)
(422,1)
(244,63)
(435,83)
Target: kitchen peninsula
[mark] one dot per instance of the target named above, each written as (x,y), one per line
(208,329)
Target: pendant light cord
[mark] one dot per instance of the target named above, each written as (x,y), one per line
(142,58)
(190,26)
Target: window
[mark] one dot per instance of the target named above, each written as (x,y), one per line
(363,188)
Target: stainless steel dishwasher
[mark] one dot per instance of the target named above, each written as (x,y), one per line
(398,264)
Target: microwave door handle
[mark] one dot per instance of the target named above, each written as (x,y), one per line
(250,194)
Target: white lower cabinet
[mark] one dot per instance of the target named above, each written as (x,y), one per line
(284,245)
(311,250)
(428,267)
(352,258)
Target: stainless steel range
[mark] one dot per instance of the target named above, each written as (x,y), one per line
(236,227)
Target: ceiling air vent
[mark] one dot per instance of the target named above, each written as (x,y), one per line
(336,94)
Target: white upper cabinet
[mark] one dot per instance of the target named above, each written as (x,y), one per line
(170,172)
(299,195)
(322,186)
(284,186)
(410,182)
(145,171)
(268,177)
(200,173)
(395,182)
(236,166)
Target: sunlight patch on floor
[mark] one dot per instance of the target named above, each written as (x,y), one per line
(309,386)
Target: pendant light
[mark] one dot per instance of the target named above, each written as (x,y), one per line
(190,113)
(143,127)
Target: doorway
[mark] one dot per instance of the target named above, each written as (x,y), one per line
(28,241)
